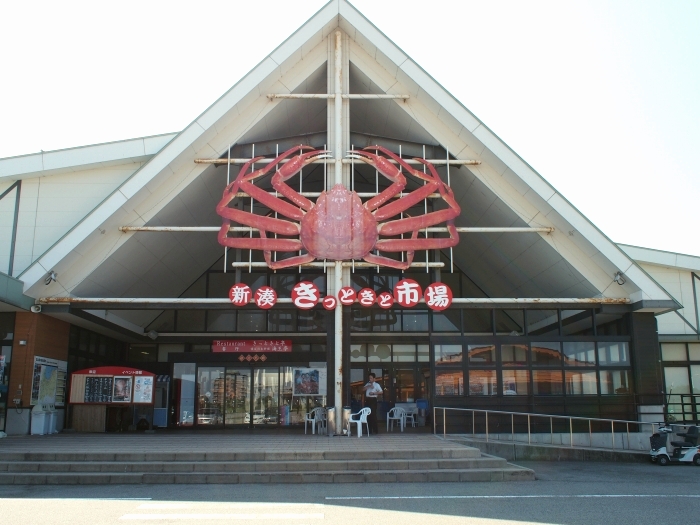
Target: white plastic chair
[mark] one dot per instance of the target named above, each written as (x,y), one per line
(315,417)
(396,414)
(359,419)
(411,417)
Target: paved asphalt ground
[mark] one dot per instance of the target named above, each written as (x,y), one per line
(564,493)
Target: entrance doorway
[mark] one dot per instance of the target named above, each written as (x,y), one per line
(244,397)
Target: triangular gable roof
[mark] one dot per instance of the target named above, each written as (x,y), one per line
(502,170)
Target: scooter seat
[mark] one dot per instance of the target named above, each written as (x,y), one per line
(682,444)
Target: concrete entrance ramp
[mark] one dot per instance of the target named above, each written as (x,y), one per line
(245,457)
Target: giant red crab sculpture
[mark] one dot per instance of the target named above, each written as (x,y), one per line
(338,226)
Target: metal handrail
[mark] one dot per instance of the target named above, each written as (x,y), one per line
(551,417)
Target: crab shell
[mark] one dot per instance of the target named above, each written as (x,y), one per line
(338,227)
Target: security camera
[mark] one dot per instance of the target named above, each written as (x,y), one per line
(36,308)
(50,277)
(152,334)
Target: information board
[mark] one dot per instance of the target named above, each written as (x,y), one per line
(112,384)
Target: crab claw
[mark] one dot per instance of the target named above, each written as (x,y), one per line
(297,163)
(381,164)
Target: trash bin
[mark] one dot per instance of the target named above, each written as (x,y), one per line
(346,417)
(50,419)
(39,420)
(330,421)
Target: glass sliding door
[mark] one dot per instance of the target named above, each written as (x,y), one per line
(237,401)
(210,396)
(266,396)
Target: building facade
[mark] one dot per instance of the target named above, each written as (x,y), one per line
(126,254)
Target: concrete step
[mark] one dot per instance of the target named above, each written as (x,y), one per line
(248,466)
(509,473)
(340,455)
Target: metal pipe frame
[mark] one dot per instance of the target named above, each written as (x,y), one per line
(436,229)
(288,300)
(435,162)
(352,96)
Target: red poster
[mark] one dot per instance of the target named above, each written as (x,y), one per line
(251,345)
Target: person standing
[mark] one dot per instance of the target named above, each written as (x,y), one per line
(372,391)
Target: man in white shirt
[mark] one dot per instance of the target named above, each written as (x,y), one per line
(372,390)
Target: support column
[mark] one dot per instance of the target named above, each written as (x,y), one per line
(338,138)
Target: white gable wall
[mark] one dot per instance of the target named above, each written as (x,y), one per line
(50,206)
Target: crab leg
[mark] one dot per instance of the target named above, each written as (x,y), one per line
(420,222)
(289,170)
(393,263)
(288,262)
(387,169)
(284,245)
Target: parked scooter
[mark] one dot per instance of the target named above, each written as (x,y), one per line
(665,451)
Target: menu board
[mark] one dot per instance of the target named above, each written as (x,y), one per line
(98,390)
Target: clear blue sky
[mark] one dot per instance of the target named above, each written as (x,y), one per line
(600,97)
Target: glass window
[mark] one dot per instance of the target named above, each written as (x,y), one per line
(404,386)
(358,353)
(613,354)
(360,319)
(482,383)
(481,354)
(546,354)
(447,321)
(282,320)
(448,354)
(514,354)
(386,320)
(379,353)
(248,321)
(449,383)
(581,383)
(221,321)
(415,321)
(694,351)
(7,325)
(577,322)
(404,353)
(547,382)
(510,322)
(423,353)
(516,382)
(676,380)
(615,382)
(237,403)
(695,378)
(543,322)
(311,320)
(673,352)
(579,353)
(478,322)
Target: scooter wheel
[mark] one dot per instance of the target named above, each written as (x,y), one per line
(696,460)
(663,461)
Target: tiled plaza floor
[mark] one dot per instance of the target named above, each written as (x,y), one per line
(222,441)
